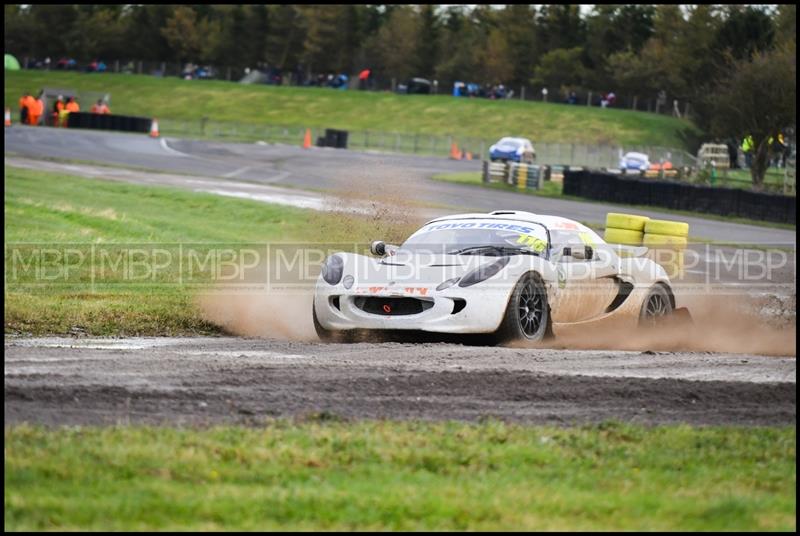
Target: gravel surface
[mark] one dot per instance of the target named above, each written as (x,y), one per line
(244,380)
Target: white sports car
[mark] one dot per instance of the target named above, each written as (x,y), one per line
(508,274)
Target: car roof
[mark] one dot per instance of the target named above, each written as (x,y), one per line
(551,222)
(511,138)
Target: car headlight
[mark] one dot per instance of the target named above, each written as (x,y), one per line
(332,269)
(348,281)
(447,284)
(483,272)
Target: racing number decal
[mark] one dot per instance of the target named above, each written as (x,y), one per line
(562,277)
(536,244)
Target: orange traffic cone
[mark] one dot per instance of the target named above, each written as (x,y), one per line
(307,139)
(8,117)
(154,128)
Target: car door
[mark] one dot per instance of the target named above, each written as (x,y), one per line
(587,286)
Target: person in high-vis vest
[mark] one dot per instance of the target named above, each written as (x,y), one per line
(71,106)
(58,107)
(25,104)
(35,110)
(100,107)
(747,149)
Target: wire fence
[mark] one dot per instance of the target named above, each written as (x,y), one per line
(565,154)
(660,104)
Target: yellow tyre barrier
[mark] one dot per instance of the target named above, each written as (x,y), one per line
(630,222)
(665,227)
(623,236)
(669,259)
(664,241)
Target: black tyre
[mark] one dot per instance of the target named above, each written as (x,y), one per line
(657,305)
(329,335)
(527,315)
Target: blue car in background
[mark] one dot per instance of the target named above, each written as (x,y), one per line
(512,150)
(634,161)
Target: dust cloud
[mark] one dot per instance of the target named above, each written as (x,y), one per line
(276,315)
(724,323)
(366,210)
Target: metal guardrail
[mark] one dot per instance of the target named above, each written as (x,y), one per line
(519,175)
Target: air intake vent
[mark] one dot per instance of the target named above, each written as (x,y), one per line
(458,305)
(392,306)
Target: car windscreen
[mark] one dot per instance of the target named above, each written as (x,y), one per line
(508,144)
(464,236)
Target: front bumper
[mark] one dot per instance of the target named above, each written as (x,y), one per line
(500,155)
(453,310)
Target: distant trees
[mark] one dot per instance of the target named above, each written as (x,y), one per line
(561,68)
(759,99)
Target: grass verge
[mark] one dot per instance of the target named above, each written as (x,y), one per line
(400,476)
(48,293)
(173,98)
(554,190)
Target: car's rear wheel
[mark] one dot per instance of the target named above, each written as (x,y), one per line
(527,315)
(656,306)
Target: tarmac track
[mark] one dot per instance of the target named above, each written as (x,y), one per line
(336,171)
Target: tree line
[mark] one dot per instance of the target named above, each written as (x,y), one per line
(636,49)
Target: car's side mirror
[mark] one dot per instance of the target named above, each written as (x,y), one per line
(584,253)
(378,247)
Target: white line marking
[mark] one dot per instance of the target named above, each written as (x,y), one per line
(237,172)
(169,149)
(247,353)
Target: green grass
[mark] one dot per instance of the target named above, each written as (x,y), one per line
(317,475)
(741,178)
(554,189)
(173,98)
(89,216)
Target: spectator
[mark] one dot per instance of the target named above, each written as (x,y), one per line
(747,149)
(777,150)
(35,110)
(58,107)
(24,105)
(573,98)
(363,79)
(72,106)
(100,107)
(733,153)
